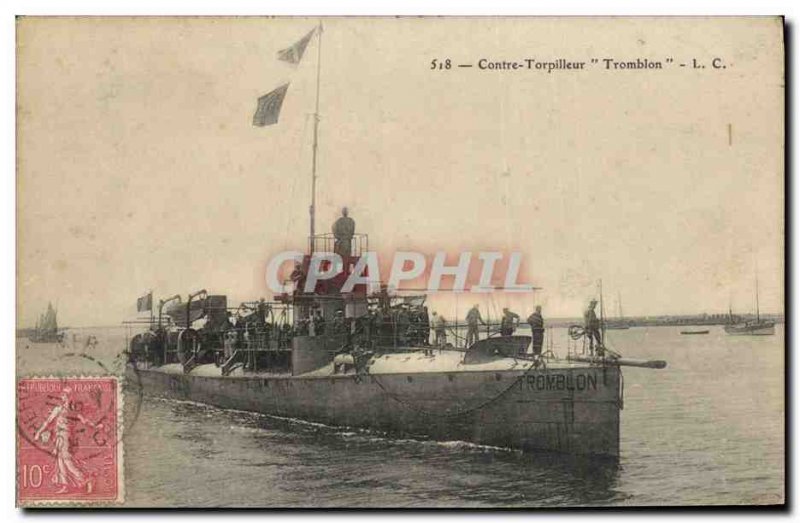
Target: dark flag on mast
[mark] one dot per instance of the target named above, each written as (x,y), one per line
(145,303)
(294,54)
(269,107)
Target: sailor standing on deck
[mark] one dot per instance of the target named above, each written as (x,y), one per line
(229,345)
(343,230)
(298,276)
(509,322)
(591,326)
(338,323)
(402,326)
(473,317)
(536,322)
(318,323)
(424,328)
(439,325)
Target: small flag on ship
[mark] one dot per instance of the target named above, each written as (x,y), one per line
(294,54)
(145,303)
(269,107)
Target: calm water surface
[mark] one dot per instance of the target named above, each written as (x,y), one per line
(709,429)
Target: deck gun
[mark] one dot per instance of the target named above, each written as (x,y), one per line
(626,362)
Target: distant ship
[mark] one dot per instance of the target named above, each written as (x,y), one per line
(620,323)
(757,327)
(46,330)
(695,332)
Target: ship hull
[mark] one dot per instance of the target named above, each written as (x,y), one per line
(570,410)
(748,330)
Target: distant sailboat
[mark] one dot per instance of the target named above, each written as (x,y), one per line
(620,323)
(757,327)
(46,330)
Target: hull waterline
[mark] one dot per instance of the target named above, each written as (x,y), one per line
(574,410)
(765,330)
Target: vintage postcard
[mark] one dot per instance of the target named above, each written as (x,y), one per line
(415,262)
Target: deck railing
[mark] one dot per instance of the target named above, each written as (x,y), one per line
(359,244)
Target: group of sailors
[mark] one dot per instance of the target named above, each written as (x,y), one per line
(508,324)
(316,325)
(511,320)
(399,325)
(408,325)
(264,337)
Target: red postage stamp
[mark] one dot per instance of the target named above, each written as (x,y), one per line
(69,446)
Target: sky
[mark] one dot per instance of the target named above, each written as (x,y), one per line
(138,166)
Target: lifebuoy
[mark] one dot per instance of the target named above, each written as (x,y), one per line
(576,332)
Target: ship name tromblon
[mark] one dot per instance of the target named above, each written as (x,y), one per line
(560,382)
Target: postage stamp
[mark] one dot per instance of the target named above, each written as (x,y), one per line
(69,448)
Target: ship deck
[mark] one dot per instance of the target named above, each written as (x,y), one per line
(444,361)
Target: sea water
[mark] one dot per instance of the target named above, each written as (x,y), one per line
(708,429)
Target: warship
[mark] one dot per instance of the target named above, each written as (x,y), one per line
(362,358)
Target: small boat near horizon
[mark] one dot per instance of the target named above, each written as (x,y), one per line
(757,327)
(620,323)
(706,331)
(46,330)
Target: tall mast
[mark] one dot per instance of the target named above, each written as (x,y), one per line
(312,209)
(730,307)
(602,314)
(758,315)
